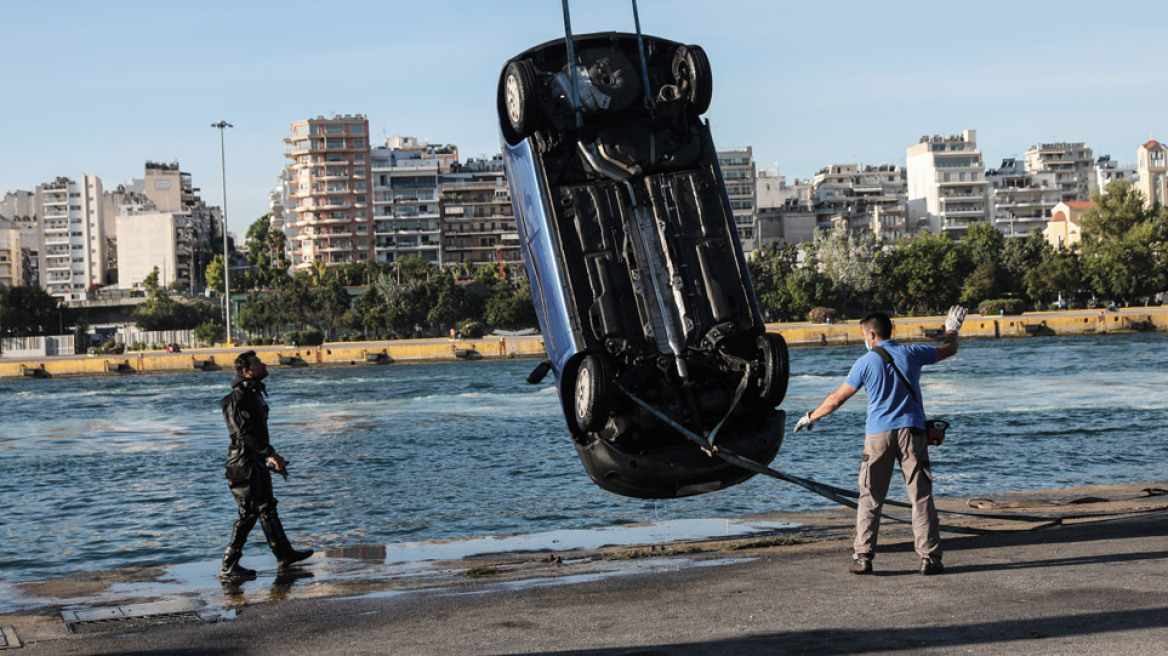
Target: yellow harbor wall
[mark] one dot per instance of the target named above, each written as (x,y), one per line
(346,354)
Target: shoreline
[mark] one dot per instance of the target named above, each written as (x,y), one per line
(339,354)
(816,548)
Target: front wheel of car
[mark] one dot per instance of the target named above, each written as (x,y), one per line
(776,363)
(593,392)
(518,101)
(691,69)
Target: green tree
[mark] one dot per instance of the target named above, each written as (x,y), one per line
(808,288)
(1057,275)
(209,332)
(983,284)
(983,243)
(849,261)
(214,274)
(150,284)
(161,312)
(924,274)
(770,266)
(1020,255)
(28,310)
(510,309)
(1124,245)
(413,267)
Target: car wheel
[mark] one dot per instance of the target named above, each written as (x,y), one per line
(518,102)
(691,69)
(593,392)
(776,372)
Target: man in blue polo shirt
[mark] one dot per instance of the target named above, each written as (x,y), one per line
(895,432)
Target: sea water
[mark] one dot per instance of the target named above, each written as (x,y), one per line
(107,472)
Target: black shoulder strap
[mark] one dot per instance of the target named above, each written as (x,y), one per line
(884,355)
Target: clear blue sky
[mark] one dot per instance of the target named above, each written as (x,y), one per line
(100,87)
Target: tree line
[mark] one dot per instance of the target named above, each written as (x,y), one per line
(1122,257)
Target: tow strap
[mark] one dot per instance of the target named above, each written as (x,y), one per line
(847,497)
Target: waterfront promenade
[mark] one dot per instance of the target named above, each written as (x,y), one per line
(1033,324)
(1090,587)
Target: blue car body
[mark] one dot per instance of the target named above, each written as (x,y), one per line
(640,285)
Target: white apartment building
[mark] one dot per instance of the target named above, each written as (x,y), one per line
(738,172)
(74,236)
(869,198)
(1022,201)
(1107,171)
(407,219)
(326,191)
(1152,169)
(147,238)
(1072,163)
(947,189)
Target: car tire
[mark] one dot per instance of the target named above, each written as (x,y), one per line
(593,392)
(518,101)
(691,69)
(776,363)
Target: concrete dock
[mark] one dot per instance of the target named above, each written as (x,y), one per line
(1093,585)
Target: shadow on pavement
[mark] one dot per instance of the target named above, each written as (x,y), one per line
(853,641)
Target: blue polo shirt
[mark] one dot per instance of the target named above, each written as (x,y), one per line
(890,404)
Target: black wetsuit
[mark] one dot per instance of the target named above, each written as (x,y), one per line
(246,414)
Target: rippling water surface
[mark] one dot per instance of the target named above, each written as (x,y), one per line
(109,472)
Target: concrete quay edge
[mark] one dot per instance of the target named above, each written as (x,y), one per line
(492,348)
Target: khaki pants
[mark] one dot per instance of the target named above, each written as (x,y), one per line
(909,447)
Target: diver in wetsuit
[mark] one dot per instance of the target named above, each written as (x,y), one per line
(248,459)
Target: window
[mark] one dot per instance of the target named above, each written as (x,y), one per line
(357,128)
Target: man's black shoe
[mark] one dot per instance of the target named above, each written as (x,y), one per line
(294,556)
(930,567)
(861,565)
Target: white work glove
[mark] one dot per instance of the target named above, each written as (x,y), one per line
(955,319)
(804,422)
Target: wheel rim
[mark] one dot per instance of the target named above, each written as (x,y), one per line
(583,390)
(514,104)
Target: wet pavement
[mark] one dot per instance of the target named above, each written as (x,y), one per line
(761,585)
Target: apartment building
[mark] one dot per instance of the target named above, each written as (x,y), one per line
(147,238)
(1021,201)
(1108,171)
(869,198)
(11,255)
(407,219)
(947,189)
(478,222)
(19,207)
(1152,171)
(326,191)
(73,229)
(739,173)
(784,211)
(1073,165)
(166,189)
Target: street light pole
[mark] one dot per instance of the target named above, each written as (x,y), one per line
(226,256)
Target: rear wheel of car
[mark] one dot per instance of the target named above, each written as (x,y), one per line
(691,69)
(518,101)
(776,372)
(593,392)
